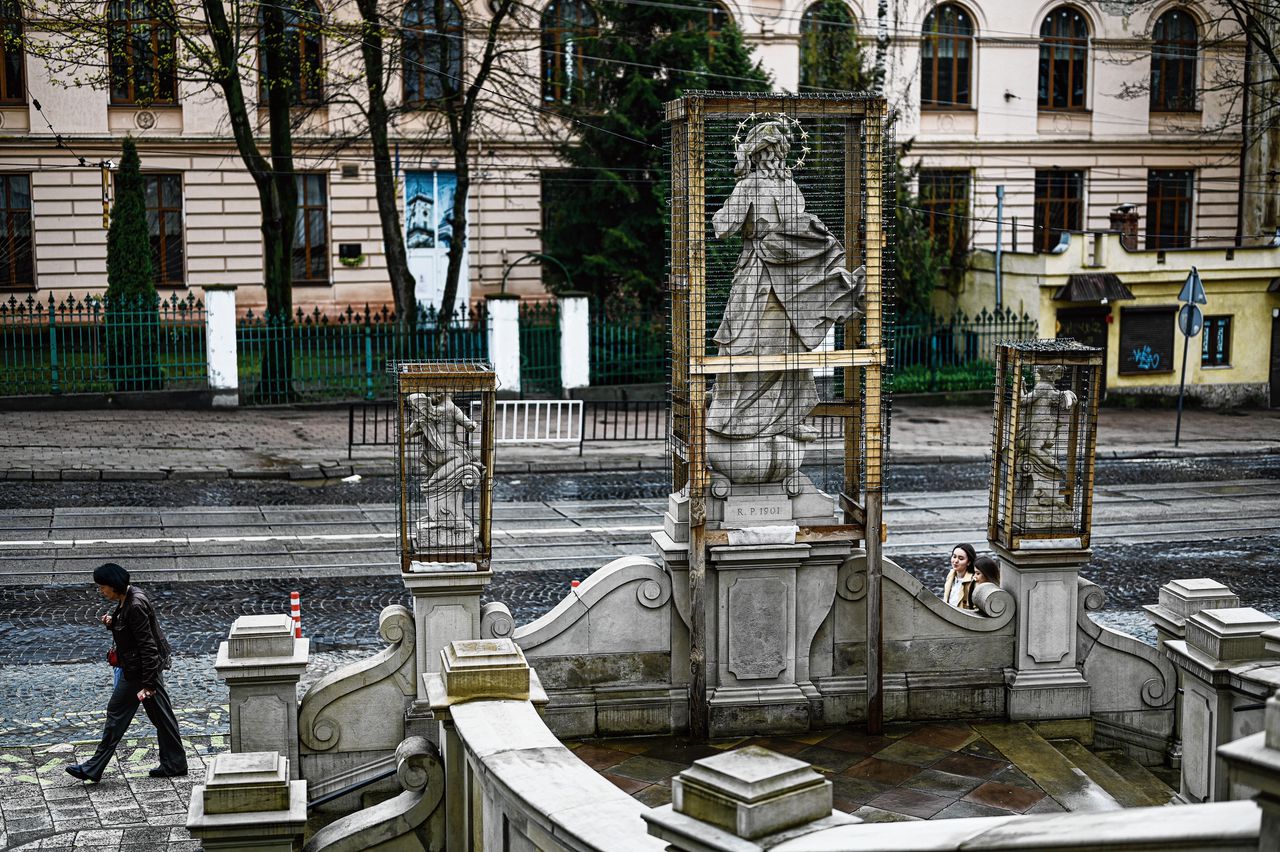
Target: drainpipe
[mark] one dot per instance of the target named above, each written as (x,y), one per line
(999,245)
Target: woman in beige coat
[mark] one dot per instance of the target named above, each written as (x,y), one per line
(960,578)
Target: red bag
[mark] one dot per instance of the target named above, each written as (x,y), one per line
(112,659)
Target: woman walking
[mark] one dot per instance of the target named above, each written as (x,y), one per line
(141,656)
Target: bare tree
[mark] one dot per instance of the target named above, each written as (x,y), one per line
(151,53)
(1244,81)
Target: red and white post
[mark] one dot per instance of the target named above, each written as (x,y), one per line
(295,612)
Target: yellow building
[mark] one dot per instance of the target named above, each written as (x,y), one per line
(1095,289)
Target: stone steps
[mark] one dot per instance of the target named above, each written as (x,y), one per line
(1153,789)
(1055,772)
(1102,774)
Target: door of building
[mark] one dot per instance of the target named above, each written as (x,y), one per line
(1275,360)
(428,233)
(1089,326)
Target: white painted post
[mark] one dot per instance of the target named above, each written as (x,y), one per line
(575,340)
(504,339)
(220,343)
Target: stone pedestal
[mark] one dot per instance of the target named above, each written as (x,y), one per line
(485,669)
(504,339)
(247,802)
(1044,682)
(1217,671)
(446,607)
(1254,761)
(261,662)
(742,800)
(1179,600)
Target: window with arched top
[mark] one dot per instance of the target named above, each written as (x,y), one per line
(1064,60)
(717,20)
(829,55)
(946,58)
(141,52)
(300,55)
(568,26)
(431,50)
(13,76)
(1175,45)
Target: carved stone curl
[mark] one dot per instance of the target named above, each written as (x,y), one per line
(496,621)
(852,583)
(653,594)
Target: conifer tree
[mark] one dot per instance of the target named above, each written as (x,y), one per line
(604,218)
(132,304)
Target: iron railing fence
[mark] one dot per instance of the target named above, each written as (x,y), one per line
(539,347)
(96,344)
(627,350)
(344,354)
(953,352)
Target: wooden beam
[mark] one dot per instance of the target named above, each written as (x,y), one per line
(720,364)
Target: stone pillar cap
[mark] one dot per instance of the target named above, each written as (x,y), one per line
(247,782)
(1229,634)
(752,792)
(1184,598)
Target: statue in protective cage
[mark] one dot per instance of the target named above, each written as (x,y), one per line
(789,288)
(1042,478)
(448,469)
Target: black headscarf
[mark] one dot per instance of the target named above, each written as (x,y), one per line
(111,574)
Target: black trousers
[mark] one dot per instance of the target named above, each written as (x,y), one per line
(120,712)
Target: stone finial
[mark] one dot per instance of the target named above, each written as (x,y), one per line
(243,783)
(260,636)
(482,669)
(1181,599)
(1229,635)
(751,792)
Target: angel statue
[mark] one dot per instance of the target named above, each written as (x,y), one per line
(1041,478)
(790,287)
(448,470)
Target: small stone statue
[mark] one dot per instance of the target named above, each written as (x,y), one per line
(789,288)
(448,469)
(1045,410)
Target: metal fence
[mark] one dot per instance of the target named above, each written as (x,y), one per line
(96,345)
(344,354)
(627,350)
(540,347)
(953,353)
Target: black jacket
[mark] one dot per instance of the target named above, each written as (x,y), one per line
(141,648)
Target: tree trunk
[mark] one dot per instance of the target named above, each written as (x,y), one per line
(384,176)
(457,249)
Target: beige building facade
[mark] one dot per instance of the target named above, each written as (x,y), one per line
(1052,102)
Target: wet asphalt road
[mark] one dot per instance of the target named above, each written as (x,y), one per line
(636,484)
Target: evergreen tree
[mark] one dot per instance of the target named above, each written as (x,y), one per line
(132,304)
(604,217)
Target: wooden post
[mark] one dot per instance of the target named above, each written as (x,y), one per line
(874,178)
(695,234)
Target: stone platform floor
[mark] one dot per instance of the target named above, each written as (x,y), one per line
(913,772)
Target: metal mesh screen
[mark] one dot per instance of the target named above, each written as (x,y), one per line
(1043,448)
(780,244)
(445,424)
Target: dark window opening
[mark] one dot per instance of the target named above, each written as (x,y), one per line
(295,65)
(568,27)
(311,232)
(17,268)
(1215,350)
(944,198)
(1174,49)
(829,55)
(141,52)
(1059,206)
(1169,197)
(432,51)
(1064,60)
(946,51)
(13,76)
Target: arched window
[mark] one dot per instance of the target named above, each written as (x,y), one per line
(1064,60)
(718,19)
(13,77)
(1173,62)
(300,54)
(946,58)
(829,55)
(432,50)
(567,28)
(141,52)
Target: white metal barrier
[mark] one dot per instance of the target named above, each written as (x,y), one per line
(534,421)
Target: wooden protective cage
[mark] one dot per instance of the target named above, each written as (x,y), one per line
(839,150)
(1044,443)
(445,440)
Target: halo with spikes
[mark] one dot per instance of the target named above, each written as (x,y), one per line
(793,122)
